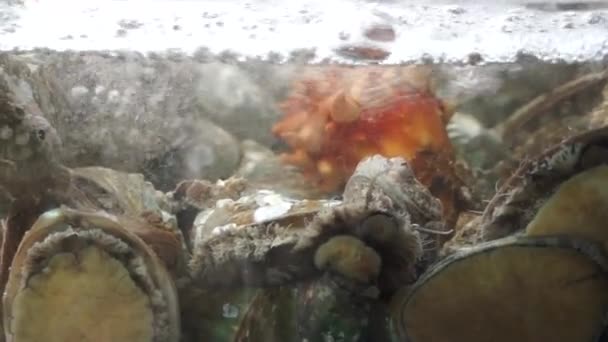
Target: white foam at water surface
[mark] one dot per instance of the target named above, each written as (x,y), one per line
(445,30)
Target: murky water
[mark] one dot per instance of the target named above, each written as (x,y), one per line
(324,171)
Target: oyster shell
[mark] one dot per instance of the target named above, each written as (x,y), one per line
(71,266)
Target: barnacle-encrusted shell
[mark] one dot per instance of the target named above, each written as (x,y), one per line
(270,239)
(336,117)
(363,242)
(260,207)
(82,276)
(388,185)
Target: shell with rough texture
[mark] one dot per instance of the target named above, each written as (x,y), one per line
(519,199)
(333,254)
(71,266)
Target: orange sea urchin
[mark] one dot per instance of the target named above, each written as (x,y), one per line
(336,116)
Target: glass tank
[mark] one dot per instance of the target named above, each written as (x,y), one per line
(231,171)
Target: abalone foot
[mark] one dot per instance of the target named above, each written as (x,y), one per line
(80,277)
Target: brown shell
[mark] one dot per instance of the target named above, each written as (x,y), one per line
(248,211)
(136,204)
(520,197)
(56,221)
(234,245)
(512,289)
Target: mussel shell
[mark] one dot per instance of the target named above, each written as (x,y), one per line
(513,289)
(66,220)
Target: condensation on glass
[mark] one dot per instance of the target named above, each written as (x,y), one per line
(314,171)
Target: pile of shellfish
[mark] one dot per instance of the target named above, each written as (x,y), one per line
(94,254)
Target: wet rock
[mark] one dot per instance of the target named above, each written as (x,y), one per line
(26,82)
(120,108)
(203,151)
(112,110)
(29,145)
(480,149)
(264,169)
(568,109)
(133,90)
(492,92)
(232,98)
(134,113)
